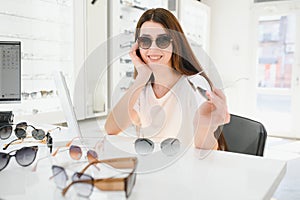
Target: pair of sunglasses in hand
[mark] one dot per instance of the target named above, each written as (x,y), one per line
(24,156)
(84,183)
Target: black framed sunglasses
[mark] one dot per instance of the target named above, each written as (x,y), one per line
(144,146)
(6,130)
(37,134)
(162,41)
(24,156)
(85,183)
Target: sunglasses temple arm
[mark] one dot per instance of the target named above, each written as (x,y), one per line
(7,145)
(51,130)
(67,145)
(37,162)
(65,190)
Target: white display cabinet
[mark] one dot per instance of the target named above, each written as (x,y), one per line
(194,17)
(58,35)
(90,56)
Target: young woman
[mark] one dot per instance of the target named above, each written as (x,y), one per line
(161,99)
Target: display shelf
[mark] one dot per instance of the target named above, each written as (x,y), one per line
(45,30)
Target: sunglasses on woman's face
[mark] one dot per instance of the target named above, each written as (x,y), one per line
(162,41)
(24,156)
(84,183)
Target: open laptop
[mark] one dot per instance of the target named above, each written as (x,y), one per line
(66,103)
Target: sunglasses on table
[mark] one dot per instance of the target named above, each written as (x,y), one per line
(6,130)
(76,151)
(144,146)
(84,183)
(162,41)
(37,134)
(24,156)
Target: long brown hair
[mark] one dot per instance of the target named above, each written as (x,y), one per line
(183,59)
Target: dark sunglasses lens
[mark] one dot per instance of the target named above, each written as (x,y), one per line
(170,146)
(143,146)
(38,134)
(83,189)
(163,41)
(75,152)
(5,132)
(92,155)
(60,176)
(20,133)
(144,42)
(26,155)
(22,125)
(130,184)
(4,159)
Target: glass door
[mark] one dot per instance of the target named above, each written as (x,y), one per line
(277,67)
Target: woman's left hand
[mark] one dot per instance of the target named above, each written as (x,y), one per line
(213,112)
(209,116)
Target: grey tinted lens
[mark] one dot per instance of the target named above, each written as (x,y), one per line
(163,41)
(20,133)
(4,159)
(60,177)
(83,189)
(143,146)
(170,146)
(144,42)
(38,134)
(25,156)
(5,132)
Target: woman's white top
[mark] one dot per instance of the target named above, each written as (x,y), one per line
(171,115)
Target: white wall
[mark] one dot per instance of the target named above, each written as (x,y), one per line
(230,49)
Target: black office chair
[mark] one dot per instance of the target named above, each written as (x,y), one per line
(243,135)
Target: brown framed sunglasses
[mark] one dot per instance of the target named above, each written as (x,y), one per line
(84,183)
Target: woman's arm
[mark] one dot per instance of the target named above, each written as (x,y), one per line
(209,116)
(123,114)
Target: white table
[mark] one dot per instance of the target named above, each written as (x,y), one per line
(221,175)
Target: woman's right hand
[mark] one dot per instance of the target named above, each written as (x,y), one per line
(143,70)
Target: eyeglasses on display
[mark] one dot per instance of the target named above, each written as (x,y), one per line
(84,183)
(162,41)
(144,146)
(24,156)
(34,95)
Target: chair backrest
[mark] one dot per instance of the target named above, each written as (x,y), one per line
(243,135)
